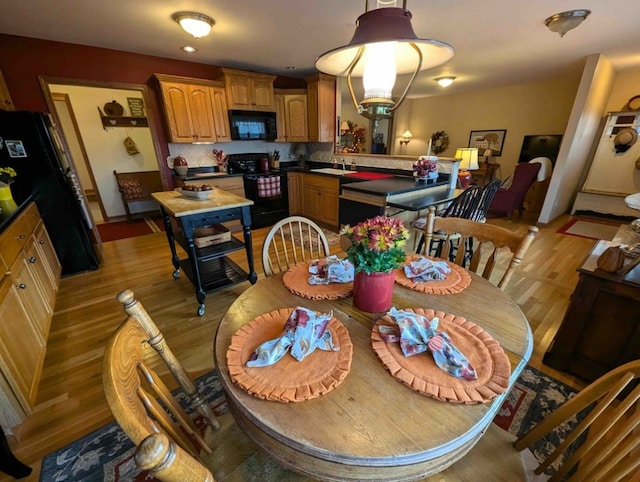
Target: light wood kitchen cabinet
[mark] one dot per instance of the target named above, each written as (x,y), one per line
(321,90)
(248,90)
(320,198)
(295,185)
(27,299)
(292,119)
(5,98)
(194,111)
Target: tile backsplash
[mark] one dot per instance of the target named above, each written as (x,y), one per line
(200,155)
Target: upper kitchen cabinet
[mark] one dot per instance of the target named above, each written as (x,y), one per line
(248,90)
(5,98)
(291,111)
(321,89)
(195,110)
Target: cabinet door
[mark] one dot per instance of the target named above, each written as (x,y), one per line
(322,108)
(239,92)
(263,98)
(220,114)
(201,113)
(30,276)
(295,187)
(178,112)
(22,347)
(48,254)
(295,108)
(321,198)
(5,98)
(280,119)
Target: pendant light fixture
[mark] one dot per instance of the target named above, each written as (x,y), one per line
(194,23)
(384,45)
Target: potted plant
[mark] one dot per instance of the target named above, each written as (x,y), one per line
(7,204)
(377,249)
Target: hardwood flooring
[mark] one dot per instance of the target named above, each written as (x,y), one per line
(71,402)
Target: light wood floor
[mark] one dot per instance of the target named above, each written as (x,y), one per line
(70,401)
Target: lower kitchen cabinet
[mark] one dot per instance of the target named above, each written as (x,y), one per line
(295,184)
(27,298)
(320,198)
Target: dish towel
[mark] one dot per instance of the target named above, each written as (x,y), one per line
(417,334)
(422,269)
(268,186)
(304,331)
(330,270)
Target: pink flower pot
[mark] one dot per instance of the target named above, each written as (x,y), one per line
(373,292)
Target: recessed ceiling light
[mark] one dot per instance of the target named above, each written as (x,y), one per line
(189,48)
(291,67)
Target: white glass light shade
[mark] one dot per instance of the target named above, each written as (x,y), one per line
(469,156)
(407,134)
(445,81)
(379,70)
(196,24)
(561,23)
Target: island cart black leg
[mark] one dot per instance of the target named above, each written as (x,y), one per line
(246,230)
(201,296)
(168,229)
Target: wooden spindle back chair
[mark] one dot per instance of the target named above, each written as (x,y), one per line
(485,241)
(290,241)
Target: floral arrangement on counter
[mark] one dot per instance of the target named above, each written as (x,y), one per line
(376,244)
(221,159)
(7,174)
(426,167)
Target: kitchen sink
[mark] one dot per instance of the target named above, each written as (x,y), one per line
(331,170)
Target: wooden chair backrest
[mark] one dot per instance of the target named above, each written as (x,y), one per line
(132,387)
(486,241)
(291,241)
(610,450)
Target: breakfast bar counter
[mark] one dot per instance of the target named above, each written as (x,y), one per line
(208,268)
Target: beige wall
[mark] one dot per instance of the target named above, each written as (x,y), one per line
(105,147)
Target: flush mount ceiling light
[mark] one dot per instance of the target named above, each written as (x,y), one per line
(383,45)
(562,22)
(444,81)
(189,48)
(194,23)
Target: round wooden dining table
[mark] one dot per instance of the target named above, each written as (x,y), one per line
(371,426)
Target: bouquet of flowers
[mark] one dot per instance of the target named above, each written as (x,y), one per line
(7,174)
(426,166)
(376,244)
(221,159)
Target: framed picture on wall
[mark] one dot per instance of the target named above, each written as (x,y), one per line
(491,139)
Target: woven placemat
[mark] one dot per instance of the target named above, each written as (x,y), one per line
(287,380)
(295,280)
(420,373)
(456,281)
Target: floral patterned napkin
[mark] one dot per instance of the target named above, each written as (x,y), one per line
(418,334)
(304,331)
(330,270)
(422,269)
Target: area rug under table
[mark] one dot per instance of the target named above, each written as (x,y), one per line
(590,229)
(129,229)
(107,453)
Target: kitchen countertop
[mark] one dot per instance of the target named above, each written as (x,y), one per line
(179,205)
(394,185)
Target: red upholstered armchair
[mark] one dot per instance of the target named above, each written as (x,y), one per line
(508,200)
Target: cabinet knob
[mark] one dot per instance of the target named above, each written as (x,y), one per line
(20,236)
(22,286)
(41,241)
(32,259)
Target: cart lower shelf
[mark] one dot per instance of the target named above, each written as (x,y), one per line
(216,273)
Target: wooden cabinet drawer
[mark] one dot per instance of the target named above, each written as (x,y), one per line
(326,182)
(14,238)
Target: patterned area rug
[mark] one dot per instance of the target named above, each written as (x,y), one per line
(107,453)
(129,229)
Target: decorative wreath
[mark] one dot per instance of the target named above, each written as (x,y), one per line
(439,142)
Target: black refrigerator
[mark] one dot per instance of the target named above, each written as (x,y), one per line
(30,144)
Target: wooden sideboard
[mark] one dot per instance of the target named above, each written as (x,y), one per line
(28,286)
(601,328)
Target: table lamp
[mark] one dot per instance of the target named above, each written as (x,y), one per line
(469,162)
(488,153)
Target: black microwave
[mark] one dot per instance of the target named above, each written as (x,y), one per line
(249,125)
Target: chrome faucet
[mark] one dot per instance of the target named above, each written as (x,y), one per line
(344,166)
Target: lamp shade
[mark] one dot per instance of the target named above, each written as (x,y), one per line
(407,134)
(300,149)
(469,156)
(488,153)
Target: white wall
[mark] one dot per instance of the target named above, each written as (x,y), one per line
(105,147)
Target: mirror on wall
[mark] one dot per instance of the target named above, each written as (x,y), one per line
(378,133)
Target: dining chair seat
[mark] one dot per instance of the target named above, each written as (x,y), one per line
(290,241)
